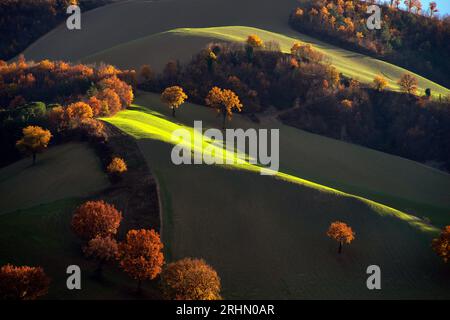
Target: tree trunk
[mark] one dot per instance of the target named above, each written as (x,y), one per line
(99,270)
(34,158)
(173,112)
(340,247)
(139,286)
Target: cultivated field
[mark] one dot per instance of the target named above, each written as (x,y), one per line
(254,220)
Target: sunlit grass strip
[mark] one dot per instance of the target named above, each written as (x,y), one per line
(144,124)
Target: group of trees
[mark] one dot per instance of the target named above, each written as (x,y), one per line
(414,38)
(140,254)
(24,21)
(256,72)
(224,101)
(398,123)
(70,98)
(411,124)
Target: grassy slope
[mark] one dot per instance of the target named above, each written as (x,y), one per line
(35,209)
(100,32)
(182,43)
(198,222)
(391,180)
(69,170)
(41,235)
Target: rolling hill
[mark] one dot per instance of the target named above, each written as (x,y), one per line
(35,212)
(182,43)
(156,32)
(254,220)
(265,235)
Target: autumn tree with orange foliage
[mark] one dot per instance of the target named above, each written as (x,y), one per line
(441,245)
(255,41)
(173,97)
(57,118)
(190,279)
(342,233)
(103,250)
(93,128)
(408,83)
(123,90)
(34,140)
(306,52)
(111,102)
(224,101)
(146,73)
(22,283)
(99,107)
(380,83)
(96,218)
(77,112)
(141,256)
(347,104)
(117,167)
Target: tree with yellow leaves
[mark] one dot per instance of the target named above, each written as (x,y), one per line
(190,279)
(347,104)
(441,245)
(379,83)
(173,97)
(298,12)
(255,41)
(359,36)
(34,140)
(77,112)
(141,255)
(224,101)
(117,166)
(341,232)
(408,83)
(306,52)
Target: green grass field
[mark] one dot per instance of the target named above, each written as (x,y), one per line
(35,212)
(270,231)
(66,171)
(41,236)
